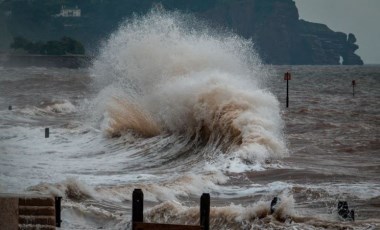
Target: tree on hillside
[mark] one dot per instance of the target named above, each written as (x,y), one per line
(72,46)
(63,47)
(19,43)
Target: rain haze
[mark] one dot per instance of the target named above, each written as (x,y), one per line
(349,16)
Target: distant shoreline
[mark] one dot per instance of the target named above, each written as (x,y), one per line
(74,61)
(59,61)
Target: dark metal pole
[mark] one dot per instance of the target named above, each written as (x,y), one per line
(137,206)
(46,132)
(58,211)
(287,93)
(205,211)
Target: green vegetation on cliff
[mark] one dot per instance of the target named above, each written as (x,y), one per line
(63,47)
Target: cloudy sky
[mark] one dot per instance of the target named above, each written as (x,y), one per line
(360,17)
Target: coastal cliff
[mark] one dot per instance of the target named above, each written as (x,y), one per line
(280,37)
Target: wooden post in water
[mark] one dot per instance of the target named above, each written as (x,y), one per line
(353,88)
(137,206)
(287,77)
(10,107)
(58,211)
(205,211)
(47,132)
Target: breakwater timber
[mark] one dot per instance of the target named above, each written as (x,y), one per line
(26,212)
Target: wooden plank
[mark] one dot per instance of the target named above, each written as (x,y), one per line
(149,226)
(36,210)
(36,201)
(37,220)
(8,213)
(35,227)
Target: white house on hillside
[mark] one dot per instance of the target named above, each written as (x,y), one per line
(69,12)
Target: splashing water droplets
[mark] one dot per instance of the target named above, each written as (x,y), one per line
(178,77)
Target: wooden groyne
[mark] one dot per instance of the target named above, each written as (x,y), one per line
(138,215)
(27,212)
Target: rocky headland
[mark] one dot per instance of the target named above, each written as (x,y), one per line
(281,37)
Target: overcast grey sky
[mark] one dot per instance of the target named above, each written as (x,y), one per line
(360,17)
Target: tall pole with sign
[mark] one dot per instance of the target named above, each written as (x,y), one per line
(287,77)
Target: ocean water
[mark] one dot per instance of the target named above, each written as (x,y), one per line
(177,109)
